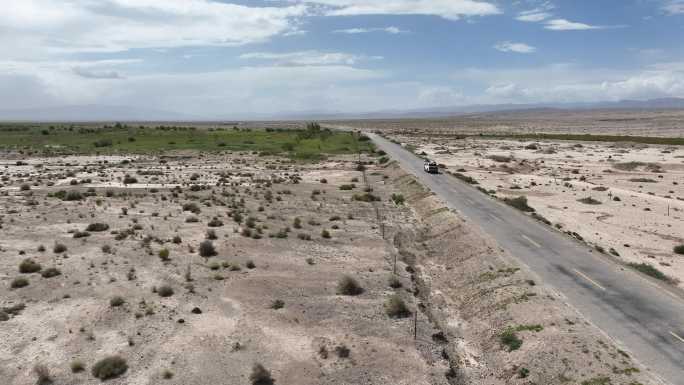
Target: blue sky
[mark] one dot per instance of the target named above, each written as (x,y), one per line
(239,58)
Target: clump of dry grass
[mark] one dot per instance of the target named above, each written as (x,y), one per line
(348,286)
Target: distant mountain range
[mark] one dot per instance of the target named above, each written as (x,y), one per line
(98,113)
(93,113)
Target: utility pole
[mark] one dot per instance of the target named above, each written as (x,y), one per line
(415,325)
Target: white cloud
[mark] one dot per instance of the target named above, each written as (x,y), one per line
(353,31)
(571,83)
(507,46)
(538,14)
(533,17)
(566,25)
(115,25)
(308,58)
(674,7)
(448,9)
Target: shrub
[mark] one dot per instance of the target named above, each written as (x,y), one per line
(589,201)
(18,283)
(250,264)
(466,178)
(342,351)
(28,266)
(206,249)
(394,282)
(177,239)
(81,234)
(42,374)
(277,304)
(211,234)
(347,187)
(165,291)
(325,234)
(77,366)
(109,367)
(519,203)
(116,301)
(348,286)
(103,143)
(129,180)
(509,339)
(164,254)
(260,376)
(679,249)
(96,227)
(650,271)
(50,272)
(215,222)
(398,199)
(395,307)
(365,197)
(73,196)
(192,207)
(59,248)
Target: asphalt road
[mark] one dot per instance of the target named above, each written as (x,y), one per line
(644,317)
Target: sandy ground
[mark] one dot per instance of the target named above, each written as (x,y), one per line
(664,123)
(477,293)
(221,318)
(638,189)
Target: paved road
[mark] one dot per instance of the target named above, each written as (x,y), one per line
(644,317)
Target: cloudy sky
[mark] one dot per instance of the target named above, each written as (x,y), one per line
(225,58)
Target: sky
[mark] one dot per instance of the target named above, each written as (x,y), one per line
(225,58)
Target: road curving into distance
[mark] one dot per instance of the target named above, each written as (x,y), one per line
(646,318)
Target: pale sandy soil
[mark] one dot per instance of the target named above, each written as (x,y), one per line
(555,175)
(69,318)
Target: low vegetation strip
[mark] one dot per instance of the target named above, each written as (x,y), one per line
(309,143)
(592,138)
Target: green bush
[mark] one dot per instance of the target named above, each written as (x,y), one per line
(679,249)
(164,254)
(110,367)
(206,249)
(96,227)
(19,282)
(398,199)
(509,339)
(28,266)
(50,272)
(395,307)
(649,270)
(519,203)
(589,201)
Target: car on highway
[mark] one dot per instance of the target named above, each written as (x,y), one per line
(430,167)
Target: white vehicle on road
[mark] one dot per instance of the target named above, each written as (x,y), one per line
(430,167)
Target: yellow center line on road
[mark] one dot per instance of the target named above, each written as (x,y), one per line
(530,240)
(677,337)
(589,279)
